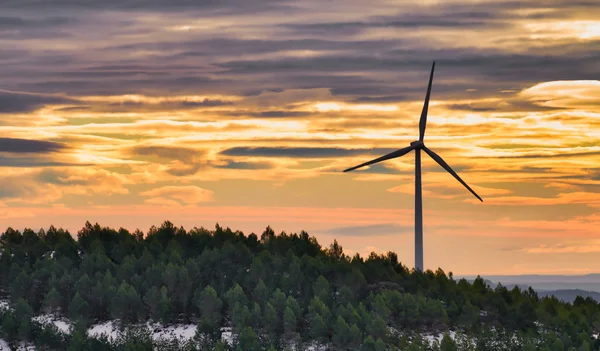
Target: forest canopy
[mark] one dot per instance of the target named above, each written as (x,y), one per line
(273,291)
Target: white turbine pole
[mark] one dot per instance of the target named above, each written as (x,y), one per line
(418,213)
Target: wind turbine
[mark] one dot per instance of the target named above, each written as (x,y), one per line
(418,146)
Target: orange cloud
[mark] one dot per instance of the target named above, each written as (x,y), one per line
(579,94)
(585,198)
(187,194)
(592,246)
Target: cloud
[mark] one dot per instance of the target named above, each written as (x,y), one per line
(246,165)
(22,188)
(567,94)
(370,230)
(189,195)
(234,6)
(168,104)
(41,161)
(168,152)
(591,246)
(584,198)
(281,114)
(449,190)
(19,146)
(301,152)
(555,154)
(85,180)
(19,102)
(12,22)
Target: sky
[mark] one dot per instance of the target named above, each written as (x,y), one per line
(245,113)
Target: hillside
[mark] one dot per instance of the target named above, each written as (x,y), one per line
(220,289)
(570,295)
(587,282)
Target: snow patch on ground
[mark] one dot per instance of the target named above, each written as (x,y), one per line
(4,305)
(4,345)
(431,338)
(26,347)
(158,332)
(109,329)
(227,335)
(315,346)
(62,324)
(182,332)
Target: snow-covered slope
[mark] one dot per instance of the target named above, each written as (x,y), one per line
(62,324)
(4,345)
(109,329)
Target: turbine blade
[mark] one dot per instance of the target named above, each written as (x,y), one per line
(444,165)
(394,154)
(423,120)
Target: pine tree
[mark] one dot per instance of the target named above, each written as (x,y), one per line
(220,346)
(77,342)
(341,333)
(271,322)
(79,309)
(260,293)
(248,341)
(321,290)
(210,307)
(368,344)
(9,326)
(318,328)
(289,321)
(241,317)
(377,327)
(52,301)
(448,344)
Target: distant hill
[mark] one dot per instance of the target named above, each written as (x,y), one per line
(569,295)
(564,287)
(589,282)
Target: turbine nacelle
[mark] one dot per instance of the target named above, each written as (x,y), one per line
(417,144)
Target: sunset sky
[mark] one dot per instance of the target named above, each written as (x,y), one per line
(245,113)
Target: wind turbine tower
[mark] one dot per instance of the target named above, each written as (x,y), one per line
(417,146)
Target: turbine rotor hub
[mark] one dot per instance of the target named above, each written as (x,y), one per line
(417,144)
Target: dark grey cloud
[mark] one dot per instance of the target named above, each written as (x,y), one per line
(471,107)
(197,8)
(213,62)
(162,106)
(370,230)
(131,84)
(459,168)
(168,152)
(491,70)
(14,22)
(302,152)
(378,168)
(384,98)
(205,103)
(246,165)
(13,145)
(410,21)
(18,102)
(272,114)
(31,161)
(508,104)
(187,170)
(594,173)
